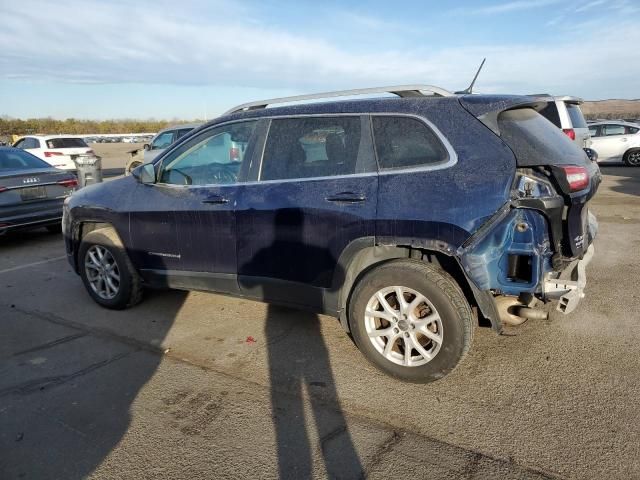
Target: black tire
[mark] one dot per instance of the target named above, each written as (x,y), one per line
(632,157)
(130,287)
(446,297)
(132,166)
(54,228)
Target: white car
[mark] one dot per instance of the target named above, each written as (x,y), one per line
(616,141)
(564,112)
(59,151)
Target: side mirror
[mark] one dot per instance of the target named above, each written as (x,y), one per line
(146,146)
(145,173)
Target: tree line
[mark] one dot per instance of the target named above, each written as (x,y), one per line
(31,126)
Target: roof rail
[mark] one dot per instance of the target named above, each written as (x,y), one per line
(399,90)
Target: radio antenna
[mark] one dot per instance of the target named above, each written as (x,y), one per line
(469,89)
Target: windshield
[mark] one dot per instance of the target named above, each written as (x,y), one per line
(20,160)
(66,143)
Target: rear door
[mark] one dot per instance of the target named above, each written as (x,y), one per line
(315,194)
(183,229)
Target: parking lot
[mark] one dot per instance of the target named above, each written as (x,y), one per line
(195,385)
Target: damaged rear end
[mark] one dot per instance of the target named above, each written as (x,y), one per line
(537,246)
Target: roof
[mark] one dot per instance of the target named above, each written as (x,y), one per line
(49,137)
(178,127)
(615,122)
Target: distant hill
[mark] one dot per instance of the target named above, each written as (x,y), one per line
(611,109)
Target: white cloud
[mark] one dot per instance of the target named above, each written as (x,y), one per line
(516,5)
(157,43)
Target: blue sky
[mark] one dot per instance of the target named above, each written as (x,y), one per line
(191,59)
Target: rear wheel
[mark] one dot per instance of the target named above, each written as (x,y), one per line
(107,272)
(632,157)
(411,320)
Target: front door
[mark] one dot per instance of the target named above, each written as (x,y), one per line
(183,231)
(315,195)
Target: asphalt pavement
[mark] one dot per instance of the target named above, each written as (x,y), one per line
(195,385)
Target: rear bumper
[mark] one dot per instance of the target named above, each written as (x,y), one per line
(12,221)
(568,287)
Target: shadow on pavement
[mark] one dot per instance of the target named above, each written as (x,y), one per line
(67,382)
(627,178)
(301,367)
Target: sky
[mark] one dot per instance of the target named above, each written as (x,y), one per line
(197,58)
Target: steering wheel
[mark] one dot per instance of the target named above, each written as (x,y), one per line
(222,174)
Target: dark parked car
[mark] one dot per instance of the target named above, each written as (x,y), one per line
(31,191)
(410,219)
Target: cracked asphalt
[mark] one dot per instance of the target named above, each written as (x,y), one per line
(194,385)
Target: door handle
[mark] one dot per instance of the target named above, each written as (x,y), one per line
(623,139)
(346,197)
(216,200)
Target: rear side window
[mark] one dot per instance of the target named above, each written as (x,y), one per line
(30,143)
(613,130)
(577,119)
(66,143)
(403,142)
(312,147)
(536,141)
(632,130)
(550,112)
(182,133)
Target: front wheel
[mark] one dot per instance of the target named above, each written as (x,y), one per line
(133,164)
(632,158)
(106,271)
(411,320)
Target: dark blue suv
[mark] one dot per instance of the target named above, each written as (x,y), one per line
(410,219)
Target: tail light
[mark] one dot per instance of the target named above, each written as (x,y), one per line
(569,132)
(577,177)
(2,189)
(52,154)
(234,153)
(69,183)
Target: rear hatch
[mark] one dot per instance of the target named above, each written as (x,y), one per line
(545,153)
(62,152)
(581,134)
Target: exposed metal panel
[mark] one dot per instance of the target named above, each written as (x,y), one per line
(399,90)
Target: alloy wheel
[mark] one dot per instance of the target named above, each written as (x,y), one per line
(102,272)
(403,326)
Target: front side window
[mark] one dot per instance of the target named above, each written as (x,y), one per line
(613,130)
(403,142)
(162,141)
(311,147)
(211,158)
(594,131)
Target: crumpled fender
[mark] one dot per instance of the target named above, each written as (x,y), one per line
(485,258)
